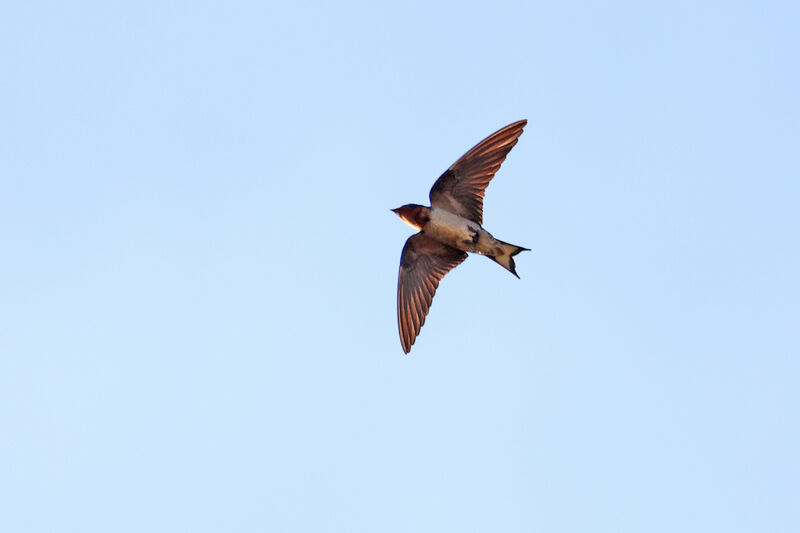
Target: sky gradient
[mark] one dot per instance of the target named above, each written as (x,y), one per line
(197,291)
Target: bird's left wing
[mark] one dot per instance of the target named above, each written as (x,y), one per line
(423,263)
(460,189)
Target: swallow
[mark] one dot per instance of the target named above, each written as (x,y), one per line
(449,228)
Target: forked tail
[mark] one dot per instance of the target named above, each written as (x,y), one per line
(505,256)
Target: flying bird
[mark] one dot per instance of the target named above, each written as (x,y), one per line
(449,228)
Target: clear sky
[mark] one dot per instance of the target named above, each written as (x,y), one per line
(199,268)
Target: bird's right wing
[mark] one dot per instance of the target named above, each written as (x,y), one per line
(461,188)
(423,263)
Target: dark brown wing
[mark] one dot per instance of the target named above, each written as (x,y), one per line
(424,262)
(460,189)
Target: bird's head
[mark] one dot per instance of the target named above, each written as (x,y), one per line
(414,215)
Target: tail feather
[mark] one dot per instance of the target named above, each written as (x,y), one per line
(505,256)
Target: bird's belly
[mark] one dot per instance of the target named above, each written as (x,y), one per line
(456,231)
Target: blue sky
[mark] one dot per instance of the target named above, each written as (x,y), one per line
(197,297)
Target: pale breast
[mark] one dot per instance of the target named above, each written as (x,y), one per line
(453,230)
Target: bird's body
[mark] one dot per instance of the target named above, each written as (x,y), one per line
(457,232)
(449,228)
